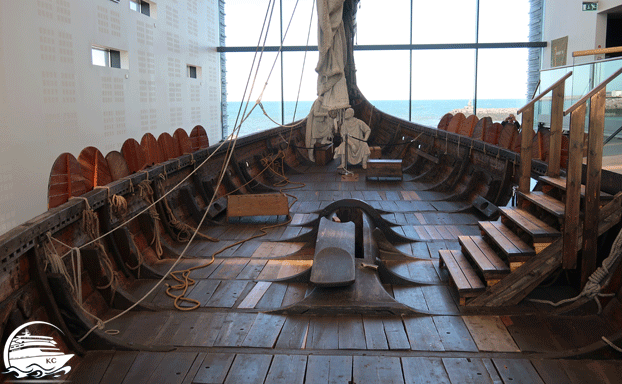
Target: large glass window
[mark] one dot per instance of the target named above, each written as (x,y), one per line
(409,81)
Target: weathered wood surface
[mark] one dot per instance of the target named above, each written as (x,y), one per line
(265,204)
(382,168)
(333,262)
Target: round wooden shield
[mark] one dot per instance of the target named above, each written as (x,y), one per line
(66,180)
(198,138)
(183,141)
(167,146)
(491,133)
(467,127)
(134,155)
(94,167)
(150,146)
(445,121)
(516,143)
(117,165)
(456,122)
(480,128)
(506,137)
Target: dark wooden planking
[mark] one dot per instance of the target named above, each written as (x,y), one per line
(374,333)
(144,329)
(150,146)
(329,370)
(264,331)
(424,370)
(546,202)
(454,334)
(173,368)
(230,268)
(439,300)
(206,329)
(535,227)
(255,294)
(214,368)
(273,297)
(508,241)
(92,367)
(591,371)
(226,294)
(557,120)
(203,290)
(492,371)
(234,329)
(194,368)
(351,333)
(293,333)
(249,369)
(252,270)
(519,371)
(466,370)
(530,333)
(395,332)
(422,334)
(294,293)
(119,366)
(490,334)
(377,369)
(145,362)
(411,296)
(172,326)
(323,333)
(287,369)
(551,371)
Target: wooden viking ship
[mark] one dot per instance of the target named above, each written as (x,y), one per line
(176,260)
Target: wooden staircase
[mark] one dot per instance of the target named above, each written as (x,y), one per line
(504,258)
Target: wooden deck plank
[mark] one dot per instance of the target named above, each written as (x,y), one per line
(351,332)
(287,369)
(591,371)
(144,362)
(424,370)
(395,333)
(173,368)
(546,202)
(264,331)
(439,300)
(252,270)
(270,270)
(92,367)
(206,329)
(375,337)
(466,370)
(517,371)
(294,333)
(249,369)
(506,240)
(230,268)
(422,334)
(423,271)
(490,334)
(226,294)
(535,227)
(377,369)
(455,271)
(530,333)
(323,333)
(214,368)
(203,290)
(294,293)
(329,370)
(273,297)
(255,295)
(234,329)
(119,366)
(454,334)
(551,371)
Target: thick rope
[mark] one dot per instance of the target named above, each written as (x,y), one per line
(146,193)
(304,60)
(117,203)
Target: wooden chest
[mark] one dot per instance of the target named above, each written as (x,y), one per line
(323,153)
(386,169)
(376,152)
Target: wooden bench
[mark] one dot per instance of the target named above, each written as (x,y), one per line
(261,204)
(461,274)
(385,169)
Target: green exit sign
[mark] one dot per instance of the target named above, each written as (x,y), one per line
(590,6)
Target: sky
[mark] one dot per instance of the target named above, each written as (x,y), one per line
(437,74)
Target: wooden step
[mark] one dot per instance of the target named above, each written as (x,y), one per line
(560,182)
(461,273)
(540,231)
(510,244)
(485,258)
(546,202)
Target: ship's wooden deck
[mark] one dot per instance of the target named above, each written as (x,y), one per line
(232,339)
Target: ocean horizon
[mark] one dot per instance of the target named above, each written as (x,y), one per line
(424,112)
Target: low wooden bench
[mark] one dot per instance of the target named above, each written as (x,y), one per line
(461,274)
(261,204)
(384,169)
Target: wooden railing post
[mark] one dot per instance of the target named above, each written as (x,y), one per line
(557,120)
(524,183)
(592,187)
(572,223)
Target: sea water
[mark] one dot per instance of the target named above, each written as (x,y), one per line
(424,112)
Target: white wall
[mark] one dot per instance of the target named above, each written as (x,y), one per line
(585,30)
(53,100)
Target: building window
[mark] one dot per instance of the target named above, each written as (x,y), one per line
(108,57)
(143,7)
(194,72)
